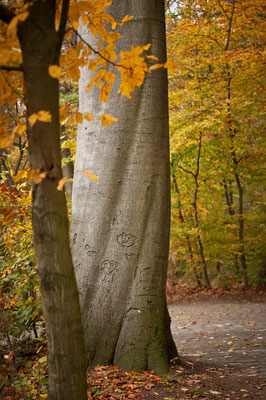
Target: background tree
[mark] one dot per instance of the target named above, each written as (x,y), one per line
(217,90)
(120,222)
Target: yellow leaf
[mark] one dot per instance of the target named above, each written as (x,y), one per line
(109,77)
(54,71)
(21,174)
(127,18)
(84,19)
(61,183)
(79,117)
(75,25)
(44,116)
(33,118)
(36,177)
(156,66)
(152,57)
(71,55)
(12,27)
(21,129)
(90,175)
(30,174)
(171,65)
(104,92)
(133,70)
(92,65)
(107,119)
(147,46)
(88,116)
(6,139)
(63,114)
(43,175)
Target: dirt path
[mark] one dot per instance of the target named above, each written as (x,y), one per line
(223,332)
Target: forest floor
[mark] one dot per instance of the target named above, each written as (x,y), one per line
(221,339)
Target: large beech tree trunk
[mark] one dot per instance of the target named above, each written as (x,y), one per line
(120,223)
(41,45)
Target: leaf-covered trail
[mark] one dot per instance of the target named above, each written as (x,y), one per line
(227,332)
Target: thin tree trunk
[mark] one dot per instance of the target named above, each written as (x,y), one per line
(182,220)
(229,202)
(232,133)
(195,207)
(120,223)
(66,355)
(68,172)
(196,218)
(242,256)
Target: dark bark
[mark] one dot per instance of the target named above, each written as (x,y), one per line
(21,145)
(6,15)
(11,67)
(195,207)
(229,202)
(40,46)
(3,161)
(235,162)
(229,198)
(187,236)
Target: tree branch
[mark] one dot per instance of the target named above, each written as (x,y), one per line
(186,170)
(207,36)
(198,158)
(6,15)
(97,52)
(63,20)
(11,67)
(230,25)
(223,10)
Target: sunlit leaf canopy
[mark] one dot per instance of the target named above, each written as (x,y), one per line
(92,14)
(217,91)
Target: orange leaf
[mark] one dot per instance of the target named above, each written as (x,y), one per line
(54,71)
(88,116)
(90,175)
(61,183)
(107,119)
(79,117)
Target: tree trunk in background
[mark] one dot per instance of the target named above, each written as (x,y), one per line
(66,354)
(68,172)
(120,223)
(230,208)
(187,236)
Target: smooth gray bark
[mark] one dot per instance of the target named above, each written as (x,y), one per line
(120,223)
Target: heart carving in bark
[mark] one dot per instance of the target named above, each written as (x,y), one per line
(126,239)
(108,266)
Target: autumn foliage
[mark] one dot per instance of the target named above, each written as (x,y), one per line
(216,111)
(216,64)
